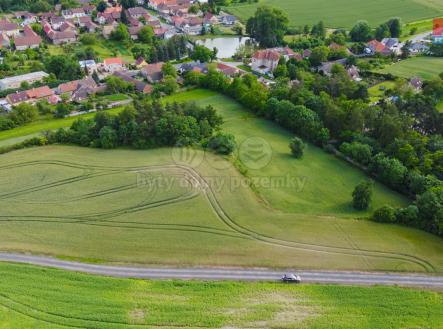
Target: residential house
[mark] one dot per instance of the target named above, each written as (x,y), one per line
(192,66)
(5,42)
(15,81)
(210,19)
(9,28)
(73,13)
(265,61)
(140,86)
(133,31)
(68,35)
(393,44)
(416,83)
(374,46)
(419,48)
(136,12)
(113,64)
(228,20)
(17,97)
(140,62)
(29,39)
(107,29)
(153,72)
(227,70)
(89,65)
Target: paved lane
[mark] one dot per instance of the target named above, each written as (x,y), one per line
(339,277)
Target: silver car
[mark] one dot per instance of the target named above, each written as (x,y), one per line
(291,278)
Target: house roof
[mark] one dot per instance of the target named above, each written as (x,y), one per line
(137,11)
(267,54)
(68,87)
(17,97)
(6,25)
(29,38)
(40,92)
(113,61)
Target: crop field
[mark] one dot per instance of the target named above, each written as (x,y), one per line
(40,298)
(345,13)
(186,207)
(424,67)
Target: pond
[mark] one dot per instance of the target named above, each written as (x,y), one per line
(226,46)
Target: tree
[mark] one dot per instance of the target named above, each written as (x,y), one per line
(382,32)
(64,67)
(23,113)
(101,6)
(40,7)
(62,110)
(120,33)
(362,195)
(146,34)
(395,27)
(169,69)
(297,147)
(385,214)
(319,30)
(128,3)
(319,54)
(169,85)
(108,137)
(201,53)
(361,32)
(268,26)
(116,84)
(222,143)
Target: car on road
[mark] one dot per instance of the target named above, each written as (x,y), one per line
(291,278)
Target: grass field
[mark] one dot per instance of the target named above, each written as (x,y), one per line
(38,298)
(345,13)
(43,124)
(425,67)
(150,207)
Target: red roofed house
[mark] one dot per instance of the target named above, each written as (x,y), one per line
(9,28)
(17,97)
(375,46)
(36,94)
(230,71)
(153,72)
(29,39)
(265,61)
(113,64)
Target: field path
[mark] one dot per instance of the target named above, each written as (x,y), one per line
(337,277)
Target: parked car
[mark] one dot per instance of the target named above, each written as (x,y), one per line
(291,278)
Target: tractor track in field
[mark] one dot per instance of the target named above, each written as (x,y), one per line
(199,184)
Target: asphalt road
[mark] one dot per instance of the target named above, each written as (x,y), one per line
(338,277)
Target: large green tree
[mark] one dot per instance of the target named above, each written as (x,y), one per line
(268,26)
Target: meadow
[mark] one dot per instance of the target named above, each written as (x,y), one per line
(161,206)
(345,13)
(424,67)
(38,298)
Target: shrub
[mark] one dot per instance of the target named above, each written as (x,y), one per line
(297,147)
(222,143)
(362,195)
(385,214)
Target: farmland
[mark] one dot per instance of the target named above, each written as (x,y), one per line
(129,206)
(345,13)
(424,67)
(32,297)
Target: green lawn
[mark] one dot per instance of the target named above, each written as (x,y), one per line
(345,13)
(440,106)
(44,124)
(116,97)
(149,207)
(38,298)
(425,67)
(419,26)
(378,91)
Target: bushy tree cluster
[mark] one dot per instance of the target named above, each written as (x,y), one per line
(146,124)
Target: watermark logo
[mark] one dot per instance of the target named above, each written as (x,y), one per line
(187,156)
(255,153)
(437,31)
